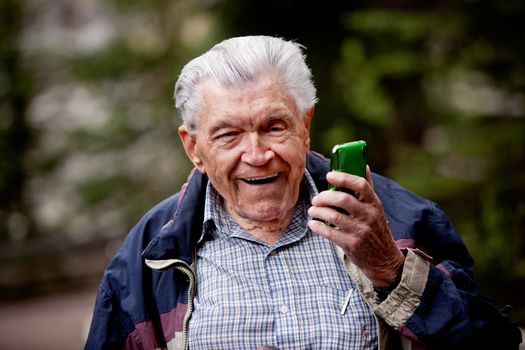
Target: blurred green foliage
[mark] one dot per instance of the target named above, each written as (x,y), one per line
(88,131)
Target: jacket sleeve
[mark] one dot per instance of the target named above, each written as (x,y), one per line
(436,304)
(107,327)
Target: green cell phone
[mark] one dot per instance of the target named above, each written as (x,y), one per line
(350,158)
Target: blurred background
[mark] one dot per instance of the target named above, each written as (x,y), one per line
(88,137)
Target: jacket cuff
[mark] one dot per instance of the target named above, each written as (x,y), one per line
(401,303)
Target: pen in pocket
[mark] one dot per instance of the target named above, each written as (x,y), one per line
(347,301)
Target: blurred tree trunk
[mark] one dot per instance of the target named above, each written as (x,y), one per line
(15,133)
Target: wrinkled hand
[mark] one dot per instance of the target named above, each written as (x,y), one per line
(363,233)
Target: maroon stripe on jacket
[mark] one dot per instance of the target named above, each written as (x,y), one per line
(405,331)
(144,336)
(405,243)
(444,269)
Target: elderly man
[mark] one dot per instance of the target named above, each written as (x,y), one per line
(254,252)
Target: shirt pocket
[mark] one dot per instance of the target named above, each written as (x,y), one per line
(338,315)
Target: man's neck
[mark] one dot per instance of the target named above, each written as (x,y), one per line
(267,231)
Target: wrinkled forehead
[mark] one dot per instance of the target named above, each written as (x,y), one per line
(261,93)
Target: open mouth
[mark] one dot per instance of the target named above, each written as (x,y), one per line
(261,180)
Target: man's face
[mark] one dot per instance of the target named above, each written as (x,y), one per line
(252,142)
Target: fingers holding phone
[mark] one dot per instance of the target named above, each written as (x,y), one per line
(359,187)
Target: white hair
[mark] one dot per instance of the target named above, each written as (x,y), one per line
(242,59)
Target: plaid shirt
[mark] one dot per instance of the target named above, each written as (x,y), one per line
(293,294)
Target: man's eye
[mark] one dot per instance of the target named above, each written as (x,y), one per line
(226,135)
(276,128)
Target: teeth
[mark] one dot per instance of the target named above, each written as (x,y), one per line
(253,179)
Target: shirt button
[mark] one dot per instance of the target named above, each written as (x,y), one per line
(283,309)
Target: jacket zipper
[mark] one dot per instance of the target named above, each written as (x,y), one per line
(184,268)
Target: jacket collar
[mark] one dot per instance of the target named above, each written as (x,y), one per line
(176,237)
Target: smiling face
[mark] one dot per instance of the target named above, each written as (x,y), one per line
(252,142)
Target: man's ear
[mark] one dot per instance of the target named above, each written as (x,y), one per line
(308,115)
(189,141)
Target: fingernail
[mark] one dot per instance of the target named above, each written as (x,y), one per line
(331,176)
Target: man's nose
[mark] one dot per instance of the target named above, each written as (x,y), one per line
(256,152)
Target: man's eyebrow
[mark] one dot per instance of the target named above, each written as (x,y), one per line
(278,114)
